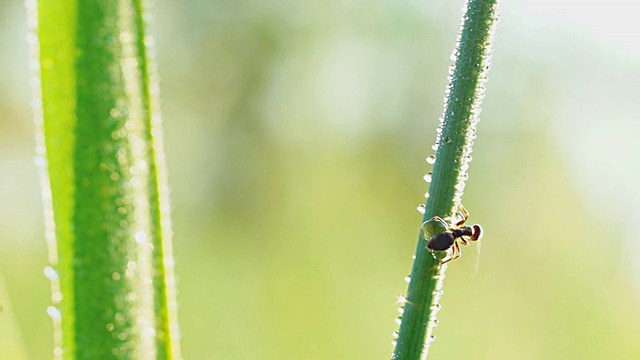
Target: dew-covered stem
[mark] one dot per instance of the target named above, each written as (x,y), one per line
(100,155)
(454,141)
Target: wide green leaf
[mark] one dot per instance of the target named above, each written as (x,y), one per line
(99,138)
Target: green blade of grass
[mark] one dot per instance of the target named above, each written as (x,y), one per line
(454,144)
(104,183)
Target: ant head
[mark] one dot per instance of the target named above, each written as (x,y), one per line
(476,234)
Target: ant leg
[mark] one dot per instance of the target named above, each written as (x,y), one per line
(456,246)
(456,253)
(463,213)
(438,218)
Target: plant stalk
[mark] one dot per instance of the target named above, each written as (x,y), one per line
(454,143)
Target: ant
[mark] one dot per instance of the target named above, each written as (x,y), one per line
(454,235)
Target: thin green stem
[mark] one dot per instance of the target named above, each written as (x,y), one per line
(108,229)
(454,145)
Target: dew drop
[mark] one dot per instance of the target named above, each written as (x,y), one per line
(421,208)
(141,237)
(120,318)
(56,297)
(430,228)
(54,313)
(131,296)
(57,352)
(149,331)
(407,279)
(50,273)
(431,159)
(428,176)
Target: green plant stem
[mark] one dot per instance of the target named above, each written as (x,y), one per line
(109,233)
(454,144)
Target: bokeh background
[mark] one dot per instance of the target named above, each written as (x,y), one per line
(296,133)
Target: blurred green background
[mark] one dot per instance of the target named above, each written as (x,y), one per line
(296,133)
